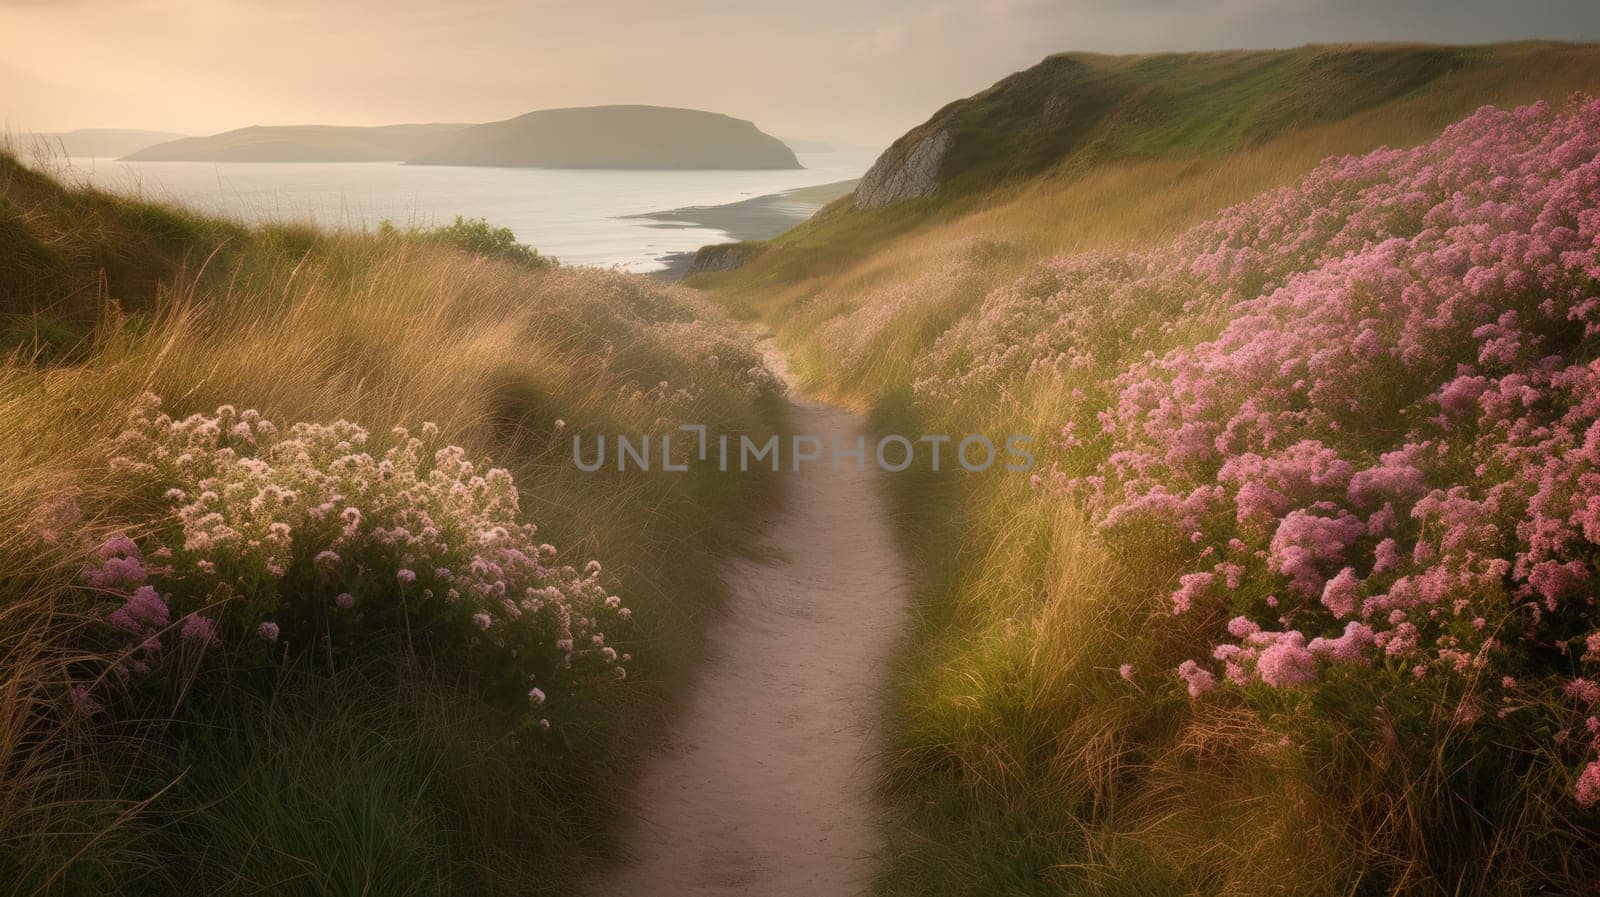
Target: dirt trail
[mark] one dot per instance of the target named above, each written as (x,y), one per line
(766,789)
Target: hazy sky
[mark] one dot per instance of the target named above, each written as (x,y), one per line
(847,70)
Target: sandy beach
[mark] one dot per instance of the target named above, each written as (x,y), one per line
(757,218)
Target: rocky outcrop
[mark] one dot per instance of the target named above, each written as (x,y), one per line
(906,170)
(720,257)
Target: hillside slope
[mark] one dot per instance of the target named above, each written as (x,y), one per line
(1087,108)
(1230,340)
(70,254)
(1153,143)
(309,704)
(302,143)
(615,137)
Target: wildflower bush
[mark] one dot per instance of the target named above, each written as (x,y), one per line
(1218,357)
(1363,412)
(291,540)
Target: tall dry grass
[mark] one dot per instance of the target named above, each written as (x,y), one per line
(391,777)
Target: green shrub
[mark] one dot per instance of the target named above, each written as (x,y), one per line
(477,236)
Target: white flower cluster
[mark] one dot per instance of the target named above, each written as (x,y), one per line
(309,535)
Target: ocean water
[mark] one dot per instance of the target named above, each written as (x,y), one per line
(578,216)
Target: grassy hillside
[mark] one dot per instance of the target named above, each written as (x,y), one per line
(1150,152)
(1086,108)
(231,662)
(1085,281)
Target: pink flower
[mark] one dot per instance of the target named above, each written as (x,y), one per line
(197,628)
(1393,479)
(1556,580)
(1347,648)
(1385,557)
(1287,663)
(1587,791)
(1306,543)
(1242,627)
(119,565)
(1126,671)
(1190,586)
(144,611)
(84,704)
(1339,595)
(1460,396)
(1585,690)
(1198,680)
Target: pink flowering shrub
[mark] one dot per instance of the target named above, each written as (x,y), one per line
(1364,408)
(1061,318)
(288,540)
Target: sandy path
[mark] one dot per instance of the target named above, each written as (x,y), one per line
(766,789)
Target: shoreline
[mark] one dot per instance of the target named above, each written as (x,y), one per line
(582,217)
(756,218)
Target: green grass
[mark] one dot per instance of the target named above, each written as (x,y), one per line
(373,780)
(70,250)
(479,237)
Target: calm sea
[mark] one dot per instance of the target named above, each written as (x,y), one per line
(577,216)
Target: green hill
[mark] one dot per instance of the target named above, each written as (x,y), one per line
(1178,135)
(615,137)
(1087,108)
(302,143)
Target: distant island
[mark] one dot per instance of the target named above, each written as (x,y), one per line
(644,137)
(653,137)
(303,143)
(96,142)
